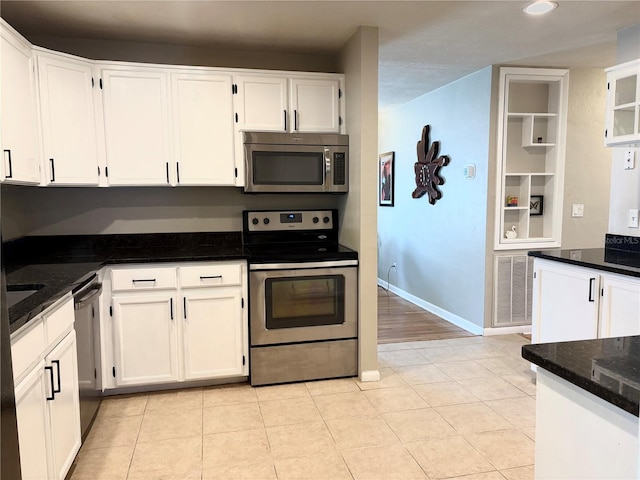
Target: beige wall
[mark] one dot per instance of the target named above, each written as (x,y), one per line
(75,211)
(587,161)
(359,62)
(186,55)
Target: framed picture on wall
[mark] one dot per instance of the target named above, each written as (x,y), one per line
(536,205)
(386,190)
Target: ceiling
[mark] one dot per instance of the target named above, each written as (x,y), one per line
(423,44)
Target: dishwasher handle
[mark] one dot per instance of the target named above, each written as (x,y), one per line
(85,297)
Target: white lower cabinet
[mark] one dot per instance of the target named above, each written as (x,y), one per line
(33,424)
(175,323)
(212,334)
(146,349)
(47,400)
(579,303)
(620,306)
(64,407)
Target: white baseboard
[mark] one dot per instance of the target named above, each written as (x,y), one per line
(448,316)
(370,376)
(507,330)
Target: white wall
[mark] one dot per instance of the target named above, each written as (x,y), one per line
(440,249)
(625,184)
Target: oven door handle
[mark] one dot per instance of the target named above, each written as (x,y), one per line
(289,266)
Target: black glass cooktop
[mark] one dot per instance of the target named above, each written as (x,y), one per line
(291,253)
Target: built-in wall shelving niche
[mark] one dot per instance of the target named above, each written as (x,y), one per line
(531,138)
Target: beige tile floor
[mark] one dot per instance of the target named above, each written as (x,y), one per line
(462,408)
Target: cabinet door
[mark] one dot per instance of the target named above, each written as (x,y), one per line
(137,133)
(620,311)
(203,129)
(565,303)
(315,105)
(33,423)
(20,161)
(262,104)
(623,104)
(68,120)
(145,338)
(213,333)
(64,409)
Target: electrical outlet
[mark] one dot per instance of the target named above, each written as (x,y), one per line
(632,220)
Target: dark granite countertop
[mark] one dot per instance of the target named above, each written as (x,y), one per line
(60,264)
(621,255)
(608,367)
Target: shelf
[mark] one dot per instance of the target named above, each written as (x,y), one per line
(516,208)
(526,114)
(531,156)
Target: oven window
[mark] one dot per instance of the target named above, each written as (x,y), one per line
(304,301)
(288,168)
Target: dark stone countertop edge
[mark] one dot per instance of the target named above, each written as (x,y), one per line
(614,398)
(25,311)
(604,266)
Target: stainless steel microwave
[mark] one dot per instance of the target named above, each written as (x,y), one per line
(296,162)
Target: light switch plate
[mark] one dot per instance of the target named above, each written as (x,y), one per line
(629,160)
(632,220)
(470,170)
(577,210)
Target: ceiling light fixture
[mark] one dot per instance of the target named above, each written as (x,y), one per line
(539,8)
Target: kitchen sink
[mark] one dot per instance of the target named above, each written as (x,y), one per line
(17,293)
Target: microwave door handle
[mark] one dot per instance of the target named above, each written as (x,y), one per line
(327,166)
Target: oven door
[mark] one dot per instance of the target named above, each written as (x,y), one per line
(302,304)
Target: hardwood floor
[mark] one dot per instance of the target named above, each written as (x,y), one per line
(402,321)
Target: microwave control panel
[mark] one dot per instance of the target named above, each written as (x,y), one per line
(339,168)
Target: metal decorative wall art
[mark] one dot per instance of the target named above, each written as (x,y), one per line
(428,167)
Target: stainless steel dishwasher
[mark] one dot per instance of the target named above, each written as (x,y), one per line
(87,320)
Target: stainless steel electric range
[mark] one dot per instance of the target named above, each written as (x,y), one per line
(303,291)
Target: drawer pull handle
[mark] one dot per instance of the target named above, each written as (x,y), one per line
(57,362)
(209,277)
(53,393)
(144,280)
(591,283)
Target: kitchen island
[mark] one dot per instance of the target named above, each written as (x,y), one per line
(587,401)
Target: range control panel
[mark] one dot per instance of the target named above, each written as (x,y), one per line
(280,220)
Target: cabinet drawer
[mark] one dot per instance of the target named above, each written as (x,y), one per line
(59,320)
(143,279)
(27,348)
(211,275)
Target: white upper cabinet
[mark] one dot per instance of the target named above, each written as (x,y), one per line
(315,104)
(18,113)
(267,103)
(202,129)
(531,149)
(68,120)
(262,103)
(137,128)
(623,105)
